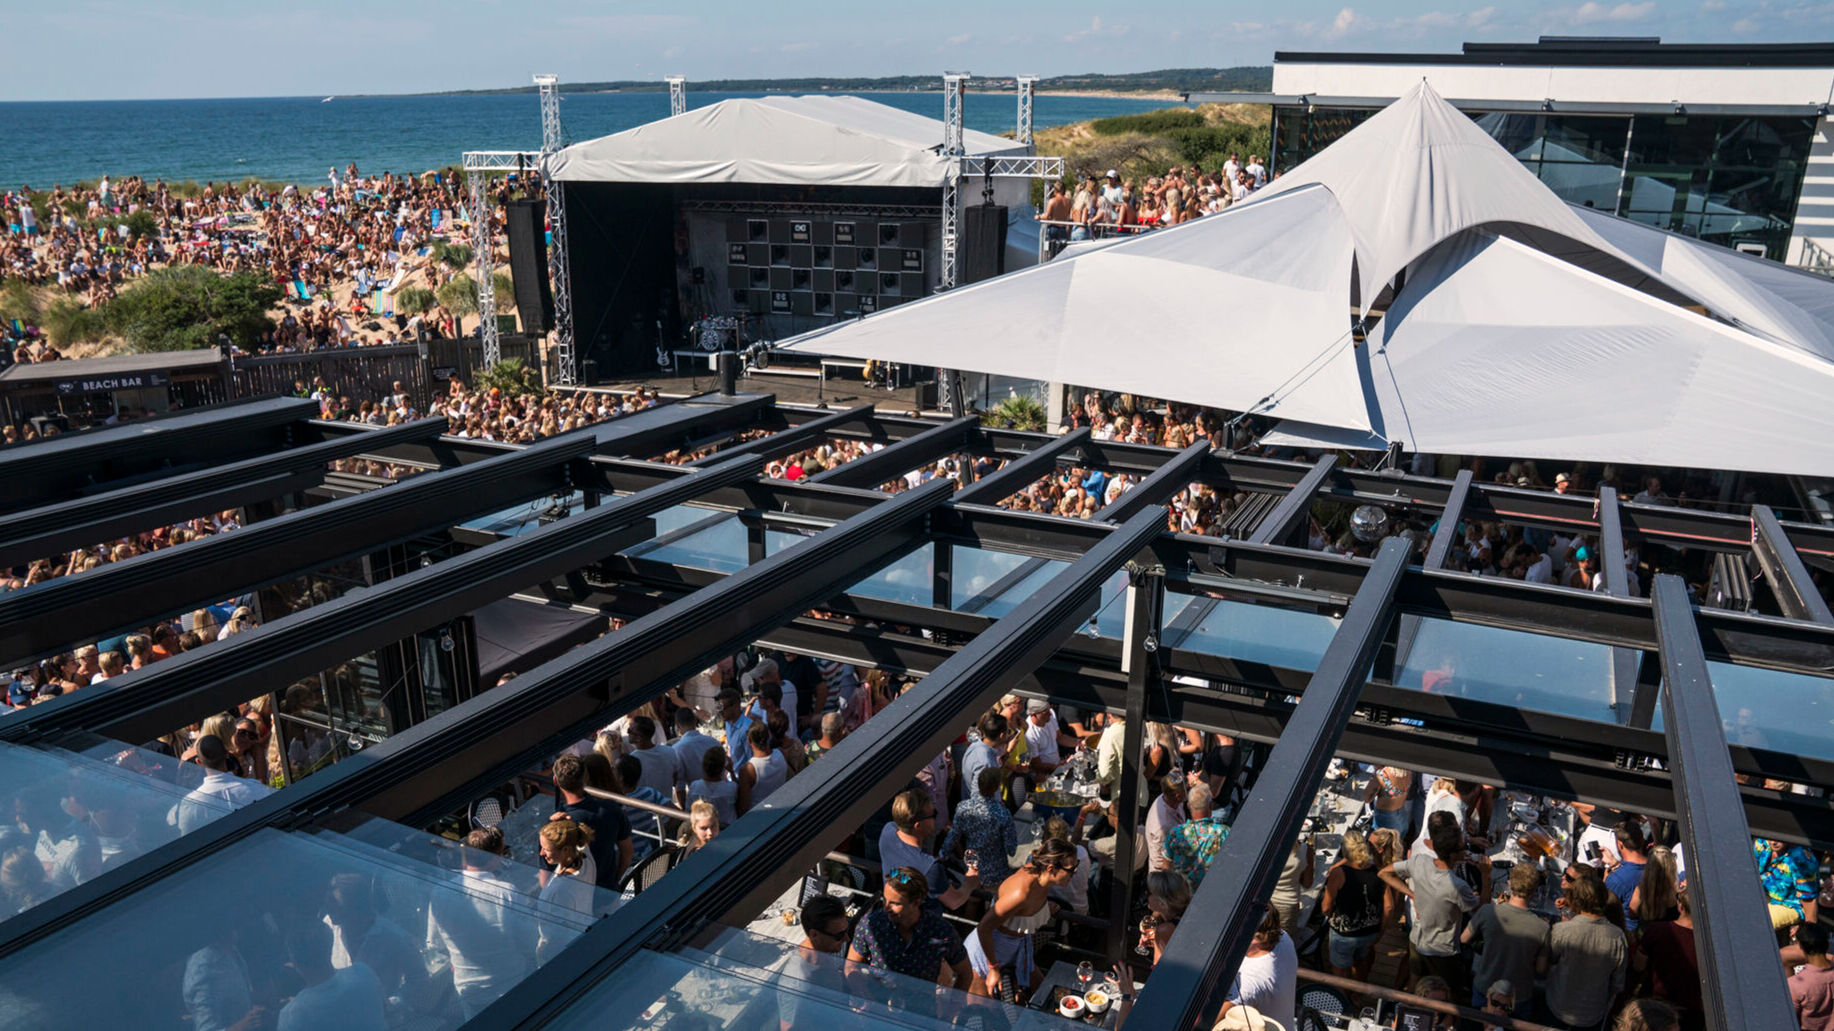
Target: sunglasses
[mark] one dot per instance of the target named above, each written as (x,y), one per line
(898,877)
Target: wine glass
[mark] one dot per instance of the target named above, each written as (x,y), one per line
(972,860)
(1147,925)
(1085,973)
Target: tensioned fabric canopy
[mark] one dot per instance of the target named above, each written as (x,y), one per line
(1515,325)
(794,141)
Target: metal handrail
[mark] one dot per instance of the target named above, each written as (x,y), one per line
(1345,984)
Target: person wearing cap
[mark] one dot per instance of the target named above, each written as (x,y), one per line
(1563,484)
(1045,738)
(1111,187)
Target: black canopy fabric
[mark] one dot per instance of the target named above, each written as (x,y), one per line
(514,635)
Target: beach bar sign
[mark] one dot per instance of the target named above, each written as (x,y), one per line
(108,384)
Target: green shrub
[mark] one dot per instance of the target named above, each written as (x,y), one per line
(1017,412)
(452,255)
(67,321)
(19,301)
(415,300)
(189,306)
(1152,123)
(505,289)
(513,376)
(459,294)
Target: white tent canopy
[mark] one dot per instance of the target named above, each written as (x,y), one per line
(794,141)
(1523,327)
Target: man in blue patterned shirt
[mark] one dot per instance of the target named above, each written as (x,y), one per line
(1791,878)
(1191,845)
(985,826)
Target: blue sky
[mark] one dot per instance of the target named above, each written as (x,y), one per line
(111,49)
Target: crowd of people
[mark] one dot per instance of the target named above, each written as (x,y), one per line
(339,251)
(1112,203)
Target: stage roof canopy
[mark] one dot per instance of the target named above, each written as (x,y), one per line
(1506,323)
(779,141)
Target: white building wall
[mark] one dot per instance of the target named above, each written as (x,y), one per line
(1815,211)
(1600,85)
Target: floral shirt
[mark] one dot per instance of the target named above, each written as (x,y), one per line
(933,943)
(1790,877)
(1191,846)
(984,825)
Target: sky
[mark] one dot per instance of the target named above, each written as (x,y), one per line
(147,49)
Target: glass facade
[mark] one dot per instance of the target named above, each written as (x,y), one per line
(1728,179)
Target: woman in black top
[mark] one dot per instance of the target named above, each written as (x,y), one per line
(1357,905)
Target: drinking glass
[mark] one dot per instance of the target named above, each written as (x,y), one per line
(1085,973)
(1146,934)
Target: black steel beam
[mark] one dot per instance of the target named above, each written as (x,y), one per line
(752,861)
(894,460)
(1445,538)
(1289,517)
(1022,472)
(592,685)
(47,471)
(1145,613)
(44,619)
(1616,572)
(145,703)
(664,428)
(1741,982)
(1783,570)
(1175,475)
(1486,743)
(452,752)
(52,530)
(1227,907)
(808,434)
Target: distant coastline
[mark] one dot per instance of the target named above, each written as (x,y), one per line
(1166,83)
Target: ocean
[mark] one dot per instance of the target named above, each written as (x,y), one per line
(297,139)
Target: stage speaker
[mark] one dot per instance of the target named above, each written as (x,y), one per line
(983,246)
(528,264)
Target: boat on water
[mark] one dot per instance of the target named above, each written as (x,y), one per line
(328,100)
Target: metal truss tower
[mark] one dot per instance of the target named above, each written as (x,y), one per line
(953,87)
(1027,84)
(678,95)
(480,256)
(566,366)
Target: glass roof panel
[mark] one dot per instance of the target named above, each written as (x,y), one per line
(1269,634)
(1792,713)
(907,580)
(1511,667)
(80,812)
(752,983)
(721,547)
(207,944)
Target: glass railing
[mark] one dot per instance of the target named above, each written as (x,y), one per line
(1511,667)
(522,517)
(744,982)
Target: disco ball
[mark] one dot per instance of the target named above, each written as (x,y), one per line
(1368,524)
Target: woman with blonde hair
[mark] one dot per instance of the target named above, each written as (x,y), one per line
(566,844)
(874,696)
(204,625)
(1357,905)
(702,826)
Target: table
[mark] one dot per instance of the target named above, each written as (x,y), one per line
(1063,975)
(769,924)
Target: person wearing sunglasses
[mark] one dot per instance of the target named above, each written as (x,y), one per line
(1022,906)
(908,937)
(817,961)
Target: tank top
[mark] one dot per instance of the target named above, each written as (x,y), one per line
(722,794)
(772,771)
(1357,909)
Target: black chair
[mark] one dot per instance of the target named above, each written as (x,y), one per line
(648,871)
(1317,1000)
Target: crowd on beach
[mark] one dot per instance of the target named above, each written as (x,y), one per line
(1115,204)
(340,251)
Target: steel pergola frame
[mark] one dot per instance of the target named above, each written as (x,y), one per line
(683,617)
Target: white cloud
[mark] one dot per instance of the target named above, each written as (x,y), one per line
(1713,5)
(1591,11)
(1479,18)
(1095,29)
(1343,23)
(956,41)
(1745,26)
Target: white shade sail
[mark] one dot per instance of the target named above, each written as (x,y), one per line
(1247,309)
(806,140)
(1524,327)
(1605,373)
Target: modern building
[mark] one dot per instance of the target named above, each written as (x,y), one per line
(1726,142)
